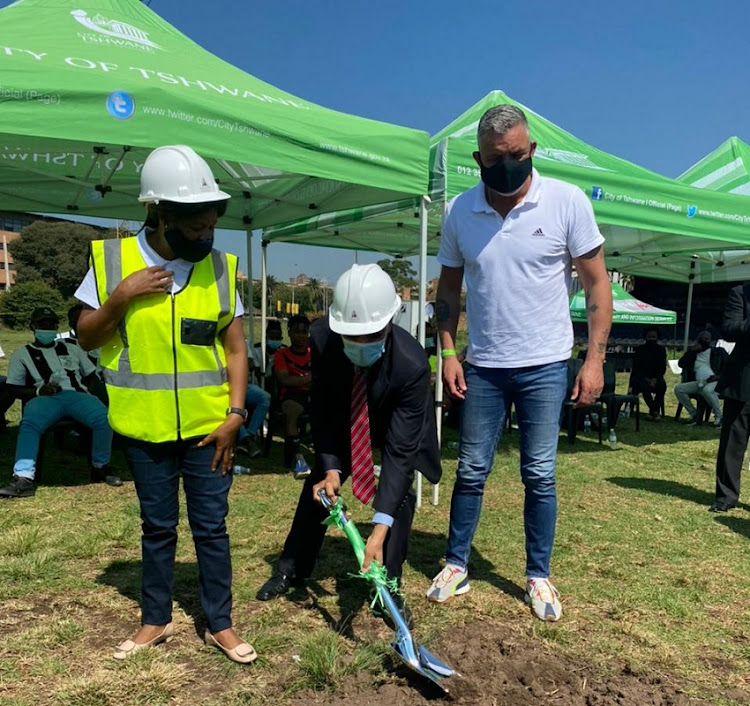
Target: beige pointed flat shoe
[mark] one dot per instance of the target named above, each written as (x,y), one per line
(244,653)
(127,648)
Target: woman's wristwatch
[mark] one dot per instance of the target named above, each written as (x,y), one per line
(238,410)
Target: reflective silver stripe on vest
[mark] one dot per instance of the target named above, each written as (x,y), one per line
(221,270)
(113,263)
(164,381)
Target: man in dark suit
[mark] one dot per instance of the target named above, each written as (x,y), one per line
(358,356)
(647,376)
(734,387)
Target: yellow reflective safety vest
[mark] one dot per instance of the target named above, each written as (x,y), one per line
(165,368)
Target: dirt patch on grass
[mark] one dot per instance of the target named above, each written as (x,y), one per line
(498,669)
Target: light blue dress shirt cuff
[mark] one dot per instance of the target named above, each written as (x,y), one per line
(380,518)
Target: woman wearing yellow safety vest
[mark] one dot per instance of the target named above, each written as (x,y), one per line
(164,310)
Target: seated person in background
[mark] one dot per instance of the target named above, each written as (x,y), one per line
(6,399)
(647,376)
(258,402)
(98,388)
(52,376)
(292,370)
(273,343)
(701,366)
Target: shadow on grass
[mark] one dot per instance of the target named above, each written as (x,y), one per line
(665,487)
(125,576)
(736,524)
(670,487)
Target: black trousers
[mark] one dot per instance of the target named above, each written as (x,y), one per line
(305,538)
(735,431)
(652,396)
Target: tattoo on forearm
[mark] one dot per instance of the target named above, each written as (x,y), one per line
(592,308)
(442,310)
(601,347)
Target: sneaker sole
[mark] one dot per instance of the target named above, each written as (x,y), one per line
(458,592)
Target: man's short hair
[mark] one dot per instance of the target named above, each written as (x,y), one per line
(649,329)
(297,320)
(500,119)
(273,325)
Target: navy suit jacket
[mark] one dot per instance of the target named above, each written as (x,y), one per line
(401,407)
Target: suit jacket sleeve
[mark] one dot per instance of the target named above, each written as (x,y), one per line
(322,413)
(403,440)
(735,326)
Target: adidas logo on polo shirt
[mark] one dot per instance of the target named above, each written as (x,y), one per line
(538,232)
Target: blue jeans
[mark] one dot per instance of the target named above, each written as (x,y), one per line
(42,412)
(257,398)
(156,469)
(538,393)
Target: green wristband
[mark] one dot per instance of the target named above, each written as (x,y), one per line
(448,352)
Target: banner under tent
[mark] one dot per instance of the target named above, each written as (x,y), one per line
(626,309)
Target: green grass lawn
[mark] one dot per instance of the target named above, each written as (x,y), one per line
(650,580)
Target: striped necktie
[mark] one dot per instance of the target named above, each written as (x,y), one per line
(363,477)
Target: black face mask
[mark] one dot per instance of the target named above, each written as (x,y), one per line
(190,250)
(705,345)
(507,176)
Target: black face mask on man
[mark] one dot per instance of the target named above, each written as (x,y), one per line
(506,176)
(183,247)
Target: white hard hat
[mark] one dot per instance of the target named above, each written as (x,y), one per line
(177,173)
(364,301)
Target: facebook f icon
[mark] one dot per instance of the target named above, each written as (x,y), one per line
(597,193)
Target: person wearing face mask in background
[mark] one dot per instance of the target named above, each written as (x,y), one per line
(53,377)
(163,307)
(647,375)
(701,366)
(515,237)
(370,388)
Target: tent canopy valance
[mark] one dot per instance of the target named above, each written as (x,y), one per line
(643,215)
(89,87)
(626,309)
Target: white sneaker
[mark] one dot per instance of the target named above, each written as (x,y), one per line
(543,599)
(451,581)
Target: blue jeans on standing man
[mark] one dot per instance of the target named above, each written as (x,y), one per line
(42,412)
(156,469)
(538,393)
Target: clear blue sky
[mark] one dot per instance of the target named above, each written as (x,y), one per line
(658,82)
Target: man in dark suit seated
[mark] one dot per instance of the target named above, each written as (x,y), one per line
(734,387)
(647,377)
(370,388)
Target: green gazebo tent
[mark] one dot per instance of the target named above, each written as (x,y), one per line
(89,87)
(627,309)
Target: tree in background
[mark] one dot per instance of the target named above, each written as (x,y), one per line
(315,287)
(401,272)
(17,304)
(54,253)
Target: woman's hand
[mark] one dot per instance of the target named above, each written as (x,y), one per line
(224,438)
(150,280)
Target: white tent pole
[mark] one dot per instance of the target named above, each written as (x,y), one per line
(422,297)
(263,305)
(688,314)
(250,307)
(438,408)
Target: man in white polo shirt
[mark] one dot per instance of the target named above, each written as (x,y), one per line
(514,237)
